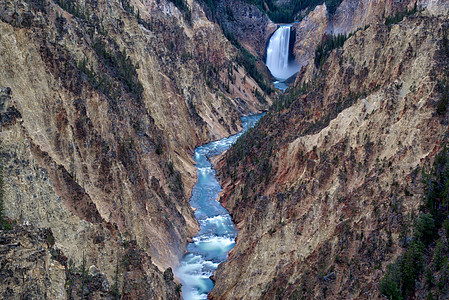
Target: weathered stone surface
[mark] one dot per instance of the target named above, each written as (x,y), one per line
(84,153)
(435,7)
(28,268)
(251,27)
(350,16)
(309,33)
(324,191)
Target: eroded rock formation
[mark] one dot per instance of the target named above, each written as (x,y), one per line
(106,101)
(322,190)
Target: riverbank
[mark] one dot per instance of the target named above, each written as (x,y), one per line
(217,233)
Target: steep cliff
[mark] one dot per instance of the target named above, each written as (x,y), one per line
(247,23)
(309,33)
(106,102)
(347,17)
(325,190)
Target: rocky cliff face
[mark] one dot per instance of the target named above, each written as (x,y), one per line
(246,23)
(28,267)
(107,100)
(323,189)
(309,33)
(34,268)
(349,16)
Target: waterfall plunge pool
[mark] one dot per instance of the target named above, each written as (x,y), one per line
(217,233)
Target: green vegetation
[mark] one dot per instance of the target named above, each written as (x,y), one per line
(127,6)
(285,100)
(73,8)
(328,44)
(287,12)
(399,16)
(84,274)
(425,228)
(332,111)
(184,8)
(116,62)
(443,85)
(175,180)
(4,223)
(284,13)
(444,100)
(248,61)
(100,82)
(38,4)
(399,280)
(80,11)
(115,292)
(121,66)
(244,58)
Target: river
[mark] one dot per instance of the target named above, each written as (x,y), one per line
(217,233)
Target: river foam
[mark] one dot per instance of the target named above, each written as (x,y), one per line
(217,233)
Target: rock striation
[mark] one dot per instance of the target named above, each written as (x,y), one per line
(104,102)
(309,33)
(349,16)
(250,26)
(29,267)
(323,189)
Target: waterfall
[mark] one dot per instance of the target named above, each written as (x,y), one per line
(277,54)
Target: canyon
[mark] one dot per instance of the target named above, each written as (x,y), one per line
(103,103)
(107,110)
(324,190)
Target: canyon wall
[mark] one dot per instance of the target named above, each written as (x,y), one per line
(250,26)
(324,191)
(350,16)
(105,102)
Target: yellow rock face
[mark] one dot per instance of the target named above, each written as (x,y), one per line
(319,202)
(93,160)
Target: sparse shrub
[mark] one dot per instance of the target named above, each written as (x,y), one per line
(159,148)
(399,16)
(287,11)
(444,100)
(425,228)
(127,6)
(121,67)
(248,61)
(4,223)
(326,46)
(184,8)
(438,255)
(73,8)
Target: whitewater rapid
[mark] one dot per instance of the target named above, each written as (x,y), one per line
(217,233)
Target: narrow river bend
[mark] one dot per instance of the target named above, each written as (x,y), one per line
(217,233)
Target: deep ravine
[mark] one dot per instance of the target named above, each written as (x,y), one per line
(217,231)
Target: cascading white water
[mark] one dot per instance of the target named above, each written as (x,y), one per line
(278,54)
(217,231)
